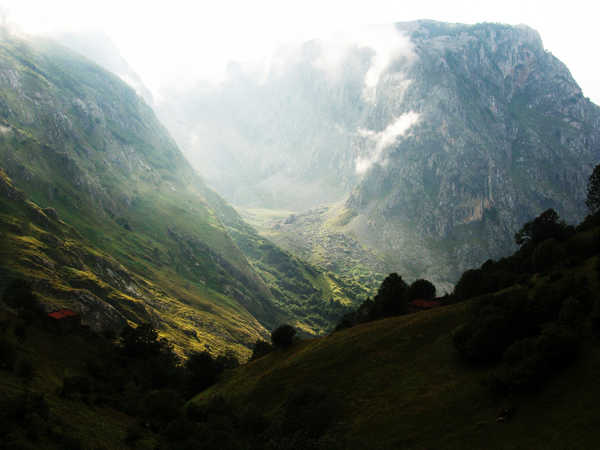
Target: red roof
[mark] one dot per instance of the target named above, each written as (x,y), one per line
(425,304)
(62,313)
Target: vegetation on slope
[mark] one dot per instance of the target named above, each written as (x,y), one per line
(77,139)
(511,364)
(67,271)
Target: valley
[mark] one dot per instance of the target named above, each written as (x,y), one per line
(386,241)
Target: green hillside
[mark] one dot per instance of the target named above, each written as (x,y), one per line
(77,139)
(33,414)
(400,382)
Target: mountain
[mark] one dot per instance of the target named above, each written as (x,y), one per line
(427,144)
(125,217)
(510,360)
(98,47)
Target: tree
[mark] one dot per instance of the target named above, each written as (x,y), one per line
(421,289)
(260,349)
(19,294)
(140,342)
(593,191)
(202,371)
(391,297)
(283,336)
(546,225)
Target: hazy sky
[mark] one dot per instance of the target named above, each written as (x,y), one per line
(180,41)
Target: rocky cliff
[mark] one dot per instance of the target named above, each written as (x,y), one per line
(437,141)
(501,132)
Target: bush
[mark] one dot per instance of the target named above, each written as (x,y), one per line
(584,244)
(161,407)
(20,331)
(201,371)
(494,323)
(260,349)
(283,336)
(530,362)
(22,408)
(76,385)
(134,433)
(547,255)
(309,410)
(595,316)
(8,355)
(547,225)
(140,342)
(19,294)
(25,370)
(470,284)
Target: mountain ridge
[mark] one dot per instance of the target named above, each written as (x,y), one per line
(439,156)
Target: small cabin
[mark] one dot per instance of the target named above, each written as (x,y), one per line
(422,305)
(63,320)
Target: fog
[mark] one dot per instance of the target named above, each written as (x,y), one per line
(384,139)
(177,43)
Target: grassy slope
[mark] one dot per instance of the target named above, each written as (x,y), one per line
(78,139)
(319,237)
(401,385)
(96,427)
(63,265)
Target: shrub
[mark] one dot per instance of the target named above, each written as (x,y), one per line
(309,410)
(530,362)
(547,255)
(19,294)
(20,331)
(260,349)
(140,342)
(201,371)
(547,225)
(283,336)
(76,385)
(494,323)
(470,284)
(25,370)
(595,316)
(134,433)
(162,406)
(584,244)
(8,355)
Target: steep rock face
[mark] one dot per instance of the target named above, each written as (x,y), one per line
(503,132)
(440,140)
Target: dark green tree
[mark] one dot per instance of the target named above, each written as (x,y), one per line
(283,336)
(391,298)
(547,225)
(260,349)
(19,294)
(140,342)
(421,289)
(593,191)
(202,371)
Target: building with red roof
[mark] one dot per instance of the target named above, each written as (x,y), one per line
(422,305)
(63,320)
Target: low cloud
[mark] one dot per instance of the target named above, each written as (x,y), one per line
(384,139)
